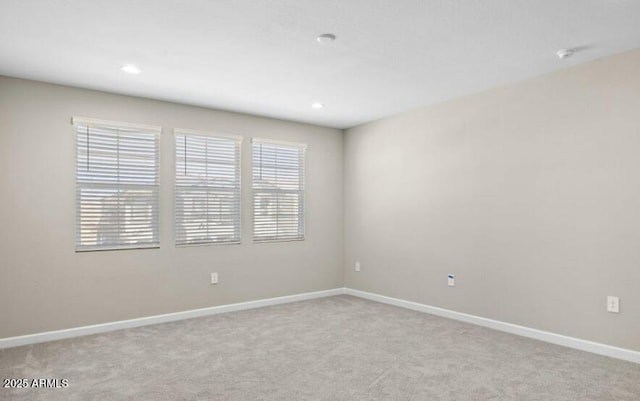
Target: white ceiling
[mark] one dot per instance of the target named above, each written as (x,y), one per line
(261,56)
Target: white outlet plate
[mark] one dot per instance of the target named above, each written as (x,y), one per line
(214,278)
(451,280)
(613,304)
(357,266)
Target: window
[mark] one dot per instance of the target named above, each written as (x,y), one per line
(116,185)
(207,194)
(278,190)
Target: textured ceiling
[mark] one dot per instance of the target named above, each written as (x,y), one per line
(261,57)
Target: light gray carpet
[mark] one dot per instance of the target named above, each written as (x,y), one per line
(337,348)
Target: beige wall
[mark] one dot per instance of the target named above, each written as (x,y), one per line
(529,193)
(45,285)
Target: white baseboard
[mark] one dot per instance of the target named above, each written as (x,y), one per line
(558,339)
(169,317)
(566,341)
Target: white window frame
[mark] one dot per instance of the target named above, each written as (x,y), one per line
(237,191)
(81,185)
(301,191)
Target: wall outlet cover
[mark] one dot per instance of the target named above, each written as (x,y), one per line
(613,304)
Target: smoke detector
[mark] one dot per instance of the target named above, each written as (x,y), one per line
(326,38)
(565,53)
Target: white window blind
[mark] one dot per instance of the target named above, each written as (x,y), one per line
(116,185)
(207,193)
(278,190)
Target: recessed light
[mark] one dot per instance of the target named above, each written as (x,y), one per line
(326,38)
(130,69)
(565,53)
(317,105)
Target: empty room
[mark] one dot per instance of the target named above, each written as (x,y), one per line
(320,200)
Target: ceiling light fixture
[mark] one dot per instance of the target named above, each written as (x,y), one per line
(130,69)
(565,53)
(326,38)
(317,105)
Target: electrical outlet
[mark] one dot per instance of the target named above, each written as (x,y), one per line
(214,278)
(357,266)
(613,304)
(451,280)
